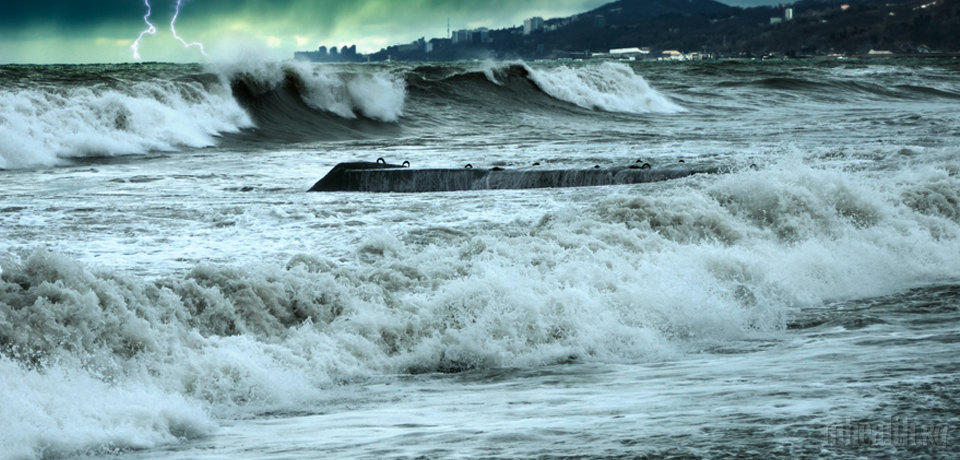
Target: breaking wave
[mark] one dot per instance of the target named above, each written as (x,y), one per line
(624,279)
(165,108)
(293,101)
(45,125)
(610,87)
(377,95)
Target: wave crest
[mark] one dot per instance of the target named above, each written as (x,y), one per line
(165,108)
(609,87)
(378,95)
(47,125)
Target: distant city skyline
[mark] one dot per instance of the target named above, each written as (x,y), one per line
(68,31)
(752,3)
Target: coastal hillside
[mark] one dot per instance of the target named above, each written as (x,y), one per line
(805,28)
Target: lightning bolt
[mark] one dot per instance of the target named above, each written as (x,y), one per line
(151,30)
(173,29)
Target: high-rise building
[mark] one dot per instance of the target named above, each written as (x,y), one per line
(532,25)
(481,35)
(461,36)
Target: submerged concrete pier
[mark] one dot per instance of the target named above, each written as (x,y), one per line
(381,177)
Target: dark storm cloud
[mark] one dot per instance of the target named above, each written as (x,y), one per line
(330,12)
(103,30)
(78,14)
(66,13)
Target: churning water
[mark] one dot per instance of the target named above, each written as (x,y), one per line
(168,289)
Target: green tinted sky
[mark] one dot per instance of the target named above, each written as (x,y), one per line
(77,31)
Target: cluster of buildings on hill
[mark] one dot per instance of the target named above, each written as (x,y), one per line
(664,30)
(469,40)
(323,54)
(471,43)
(636,54)
(423,49)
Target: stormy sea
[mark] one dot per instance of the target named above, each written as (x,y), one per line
(168,288)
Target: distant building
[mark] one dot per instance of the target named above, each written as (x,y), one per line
(461,36)
(466,36)
(776,20)
(436,44)
(532,25)
(333,54)
(481,35)
(413,47)
(628,53)
(672,55)
(788,14)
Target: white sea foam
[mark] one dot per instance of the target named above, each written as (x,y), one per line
(626,278)
(62,410)
(619,279)
(491,68)
(47,126)
(94,359)
(610,87)
(377,95)
(44,126)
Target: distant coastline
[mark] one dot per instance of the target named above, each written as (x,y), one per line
(674,30)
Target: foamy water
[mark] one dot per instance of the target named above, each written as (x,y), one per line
(189,300)
(42,127)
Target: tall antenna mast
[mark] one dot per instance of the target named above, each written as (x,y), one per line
(448,26)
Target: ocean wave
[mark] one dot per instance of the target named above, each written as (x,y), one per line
(293,100)
(48,125)
(61,410)
(378,95)
(77,113)
(609,87)
(623,278)
(832,88)
(517,86)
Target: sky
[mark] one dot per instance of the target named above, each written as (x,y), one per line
(98,31)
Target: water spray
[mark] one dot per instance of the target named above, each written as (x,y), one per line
(173,29)
(151,30)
